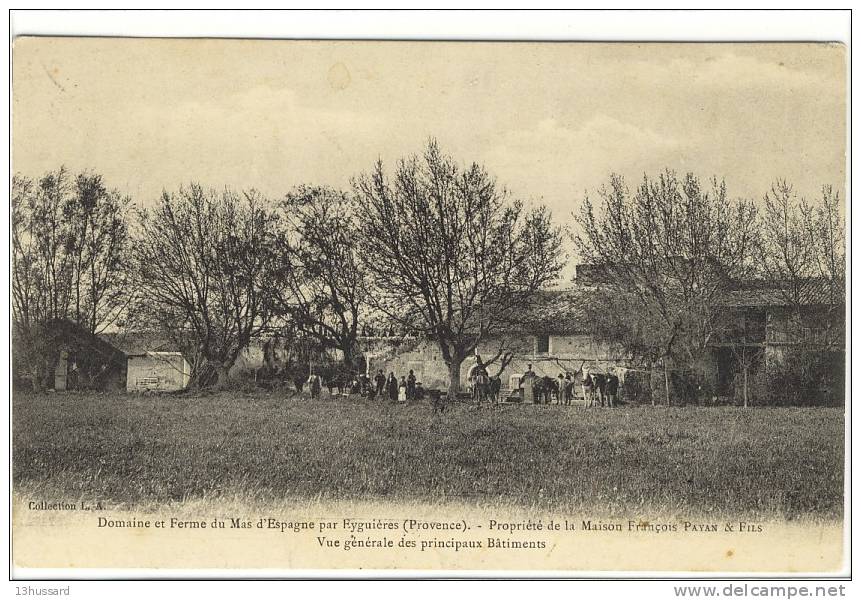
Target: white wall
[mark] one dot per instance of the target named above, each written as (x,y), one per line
(160,373)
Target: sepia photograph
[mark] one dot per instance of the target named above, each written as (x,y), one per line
(462,306)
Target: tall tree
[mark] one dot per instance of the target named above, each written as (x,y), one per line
(208,264)
(828,232)
(786,250)
(449,253)
(803,254)
(325,292)
(70,253)
(100,243)
(802,250)
(669,251)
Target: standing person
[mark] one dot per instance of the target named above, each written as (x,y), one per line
(560,388)
(380,383)
(402,390)
(600,388)
(392,387)
(315,384)
(527,384)
(588,389)
(569,389)
(411,386)
(612,388)
(480,381)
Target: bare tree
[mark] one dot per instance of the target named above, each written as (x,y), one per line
(100,243)
(208,264)
(70,244)
(669,252)
(450,254)
(802,252)
(828,233)
(41,269)
(786,250)
(325,293)
(504,356)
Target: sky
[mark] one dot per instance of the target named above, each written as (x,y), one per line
(550,121)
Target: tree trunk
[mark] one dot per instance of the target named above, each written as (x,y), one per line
(454,376)
(349,357)
(667,382)
(745,386)
(652,383)
(223,376)
(36,381)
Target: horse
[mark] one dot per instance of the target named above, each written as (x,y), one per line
(544,389)
(340,380)
(493,389)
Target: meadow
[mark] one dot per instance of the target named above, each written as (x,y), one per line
(144,450)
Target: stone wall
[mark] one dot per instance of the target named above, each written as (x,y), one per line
(565,354)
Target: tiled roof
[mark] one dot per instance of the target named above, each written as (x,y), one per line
(561,312)
(558,312)
(811,292)
(68,332)
(138,342)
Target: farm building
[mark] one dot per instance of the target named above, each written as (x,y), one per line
(153,362)
(553,336)
(157,371)
(74,358)
(767,328)
(272,350)
(77,359)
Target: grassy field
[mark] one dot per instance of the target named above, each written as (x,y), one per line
(140,450)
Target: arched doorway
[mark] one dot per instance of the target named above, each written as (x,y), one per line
(470,371)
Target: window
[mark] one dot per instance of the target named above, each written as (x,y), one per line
(542,344)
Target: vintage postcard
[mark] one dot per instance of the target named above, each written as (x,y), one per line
(480,307)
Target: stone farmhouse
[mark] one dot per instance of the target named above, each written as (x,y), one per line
(554,337)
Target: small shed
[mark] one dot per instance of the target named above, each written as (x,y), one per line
(157,371)
(83,360)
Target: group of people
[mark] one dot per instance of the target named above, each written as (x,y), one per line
(380,387)
(397,391)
